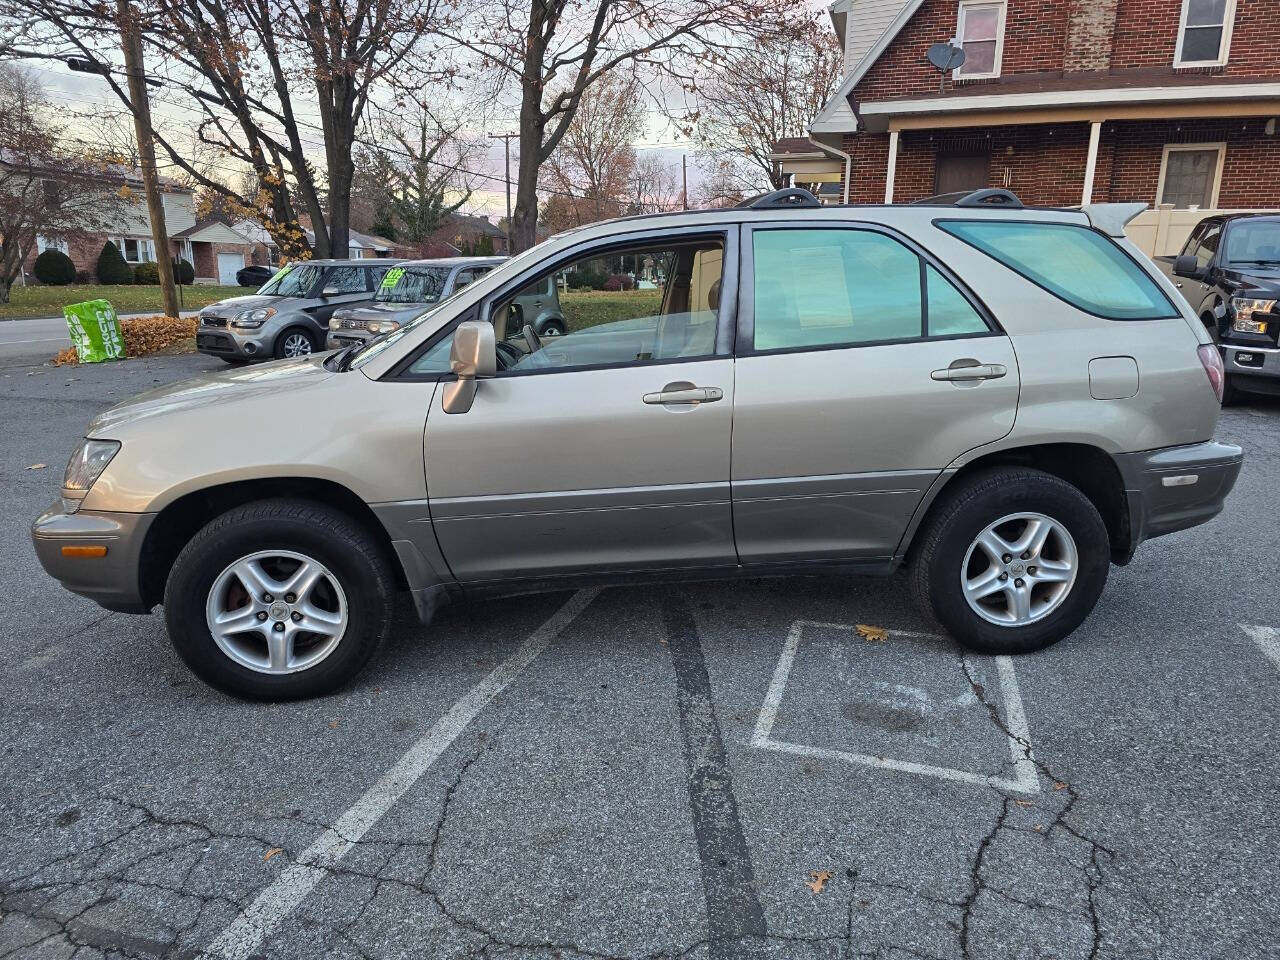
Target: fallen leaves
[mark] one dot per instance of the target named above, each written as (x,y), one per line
(875,634)
(820,878)
(143,335)
(271,853)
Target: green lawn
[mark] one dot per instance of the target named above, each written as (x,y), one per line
(586,308)
(49,301)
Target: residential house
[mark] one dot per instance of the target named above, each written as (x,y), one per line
(210,250)
(263,249)
(1169,102)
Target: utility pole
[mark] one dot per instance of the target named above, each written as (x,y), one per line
(506,143)
(684,179)
(131,39)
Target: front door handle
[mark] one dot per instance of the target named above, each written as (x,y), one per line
(685,393)
(980,371)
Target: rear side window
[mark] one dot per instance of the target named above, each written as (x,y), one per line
(1075,264)
(837,287)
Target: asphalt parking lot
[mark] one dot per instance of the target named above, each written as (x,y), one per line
(774,768)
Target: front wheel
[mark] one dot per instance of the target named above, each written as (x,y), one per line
(278,600)
(294,342)
(1013,560)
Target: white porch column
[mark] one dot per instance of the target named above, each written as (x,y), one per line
(892,167)
(1095,134)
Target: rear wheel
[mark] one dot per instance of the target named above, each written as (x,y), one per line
(1013,560)
(278,600)
(294,342)
(552,328)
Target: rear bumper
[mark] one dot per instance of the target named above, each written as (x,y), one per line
(112,580)
(1177,487)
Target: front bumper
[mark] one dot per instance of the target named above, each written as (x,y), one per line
(112,580)
(1252,368)
(337,339)
(229,342)
(1177,487)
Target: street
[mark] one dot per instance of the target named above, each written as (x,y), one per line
(767,768)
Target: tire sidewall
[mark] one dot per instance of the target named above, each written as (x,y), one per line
(288,332)
(216,548)
(1039,494)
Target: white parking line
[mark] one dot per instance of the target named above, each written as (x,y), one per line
(1267,639)
(1025,780)
(242,938)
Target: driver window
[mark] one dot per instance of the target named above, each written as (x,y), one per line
(1208,246)
(656,302)
(650,303)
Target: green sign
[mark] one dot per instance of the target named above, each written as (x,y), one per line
(392,278)
(280,273)
(95,331)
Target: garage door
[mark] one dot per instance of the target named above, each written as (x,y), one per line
(228,264)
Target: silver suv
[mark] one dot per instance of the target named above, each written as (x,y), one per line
(1005,401)
(289,315)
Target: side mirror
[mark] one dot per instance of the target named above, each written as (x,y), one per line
(1187,266)
(473,357)
(329,292)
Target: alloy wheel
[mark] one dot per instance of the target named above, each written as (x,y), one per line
(296,345)
(1019,569)
(276,611)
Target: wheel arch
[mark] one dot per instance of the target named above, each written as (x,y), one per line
(179,520)
(1089,469)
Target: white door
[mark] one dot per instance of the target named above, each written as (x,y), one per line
(228,264)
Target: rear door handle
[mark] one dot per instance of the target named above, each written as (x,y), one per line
(981,371)
(684,393)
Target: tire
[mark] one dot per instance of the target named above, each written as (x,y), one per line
(357,581)
(947,553)
(1231,394)
(552,328)
(287,337)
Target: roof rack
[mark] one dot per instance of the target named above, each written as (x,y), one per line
(990,197)
(787,197)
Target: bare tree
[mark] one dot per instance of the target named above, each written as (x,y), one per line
(758,96)
(46,189)
(253,72)
(595,161)
(655,186)
(557,50)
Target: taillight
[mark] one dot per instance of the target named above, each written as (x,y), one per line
(1211,360)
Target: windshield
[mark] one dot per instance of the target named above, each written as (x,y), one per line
(293,280)
(412,285)
(1254,241)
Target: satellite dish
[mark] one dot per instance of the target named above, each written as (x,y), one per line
(946,57)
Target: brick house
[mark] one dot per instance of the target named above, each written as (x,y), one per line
(200,244)
(1169,102)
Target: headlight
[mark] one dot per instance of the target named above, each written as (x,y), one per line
(382,326)
(1244,309)
(87,463)
(335,324)
(252,319)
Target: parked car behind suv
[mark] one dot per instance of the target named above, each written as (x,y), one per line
(289,315)
(1229,272)
(405,291)
(1006,401)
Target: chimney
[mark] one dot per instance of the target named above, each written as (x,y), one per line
(1091,27)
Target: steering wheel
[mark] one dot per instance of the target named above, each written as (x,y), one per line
(508,356)
(531,339)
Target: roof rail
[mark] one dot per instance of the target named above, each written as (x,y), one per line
(787,197)
(990,197)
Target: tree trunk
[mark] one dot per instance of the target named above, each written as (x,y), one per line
(5,283)
(524,219)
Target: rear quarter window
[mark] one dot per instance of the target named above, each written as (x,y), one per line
(1075,264)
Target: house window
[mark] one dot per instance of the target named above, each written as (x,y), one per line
(1190,174)
(980,31)
(137,249)
(43,244)
(1204,33)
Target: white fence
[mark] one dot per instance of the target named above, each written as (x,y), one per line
(1163,231)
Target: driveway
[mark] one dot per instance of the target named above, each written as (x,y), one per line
(772,768)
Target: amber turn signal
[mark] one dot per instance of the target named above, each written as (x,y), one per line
(85,550)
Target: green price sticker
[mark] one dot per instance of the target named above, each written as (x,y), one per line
(392,278)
